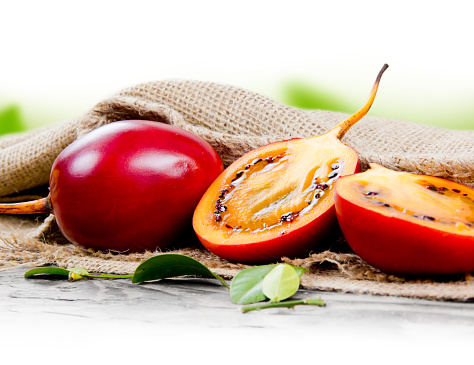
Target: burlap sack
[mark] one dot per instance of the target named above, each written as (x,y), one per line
(233,121)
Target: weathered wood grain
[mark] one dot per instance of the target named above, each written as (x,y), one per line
(196,316)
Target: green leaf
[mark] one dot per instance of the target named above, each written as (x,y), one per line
(280,283)
(246,287)
(171,265)
(48,270)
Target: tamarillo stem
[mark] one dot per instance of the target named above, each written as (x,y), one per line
(32,207)
(344,126)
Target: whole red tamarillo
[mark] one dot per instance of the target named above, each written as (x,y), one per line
(127,186)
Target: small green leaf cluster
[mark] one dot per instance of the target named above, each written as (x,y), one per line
(272,282)
(256,284)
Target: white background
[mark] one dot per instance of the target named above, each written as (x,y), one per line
(60,58)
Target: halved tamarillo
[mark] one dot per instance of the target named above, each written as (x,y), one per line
(407,224)
(277,200)
(127,186)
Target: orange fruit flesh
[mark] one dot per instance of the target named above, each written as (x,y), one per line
(431,201)
(265,194)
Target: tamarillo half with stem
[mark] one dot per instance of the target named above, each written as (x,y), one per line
(127,186)
(407,224)
(277,200)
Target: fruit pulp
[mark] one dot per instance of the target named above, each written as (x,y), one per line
(275,193)
(416,197)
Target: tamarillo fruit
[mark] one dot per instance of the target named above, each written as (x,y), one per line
(127,186)
(407,224)
(278,200)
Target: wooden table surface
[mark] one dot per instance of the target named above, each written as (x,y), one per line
(115,321)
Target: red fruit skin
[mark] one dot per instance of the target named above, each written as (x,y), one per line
(295,243)
(131,185)
(397,246)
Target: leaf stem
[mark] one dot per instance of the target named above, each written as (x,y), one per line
(287,304)
(109,276)
(222,281)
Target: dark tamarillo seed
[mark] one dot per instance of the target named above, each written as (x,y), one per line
(335,166)
(221,208)
(223,193)
(238,175)
(332,175)
(288,217)
(432,187)
(322,186)
(456,190)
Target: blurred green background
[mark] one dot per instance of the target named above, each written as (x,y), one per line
(444,110)
(293,92)
(11,120)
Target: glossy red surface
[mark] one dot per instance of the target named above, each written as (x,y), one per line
(131,185)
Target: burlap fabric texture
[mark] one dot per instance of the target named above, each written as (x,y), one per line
(233,121)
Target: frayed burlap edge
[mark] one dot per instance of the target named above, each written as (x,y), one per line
(328,271)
